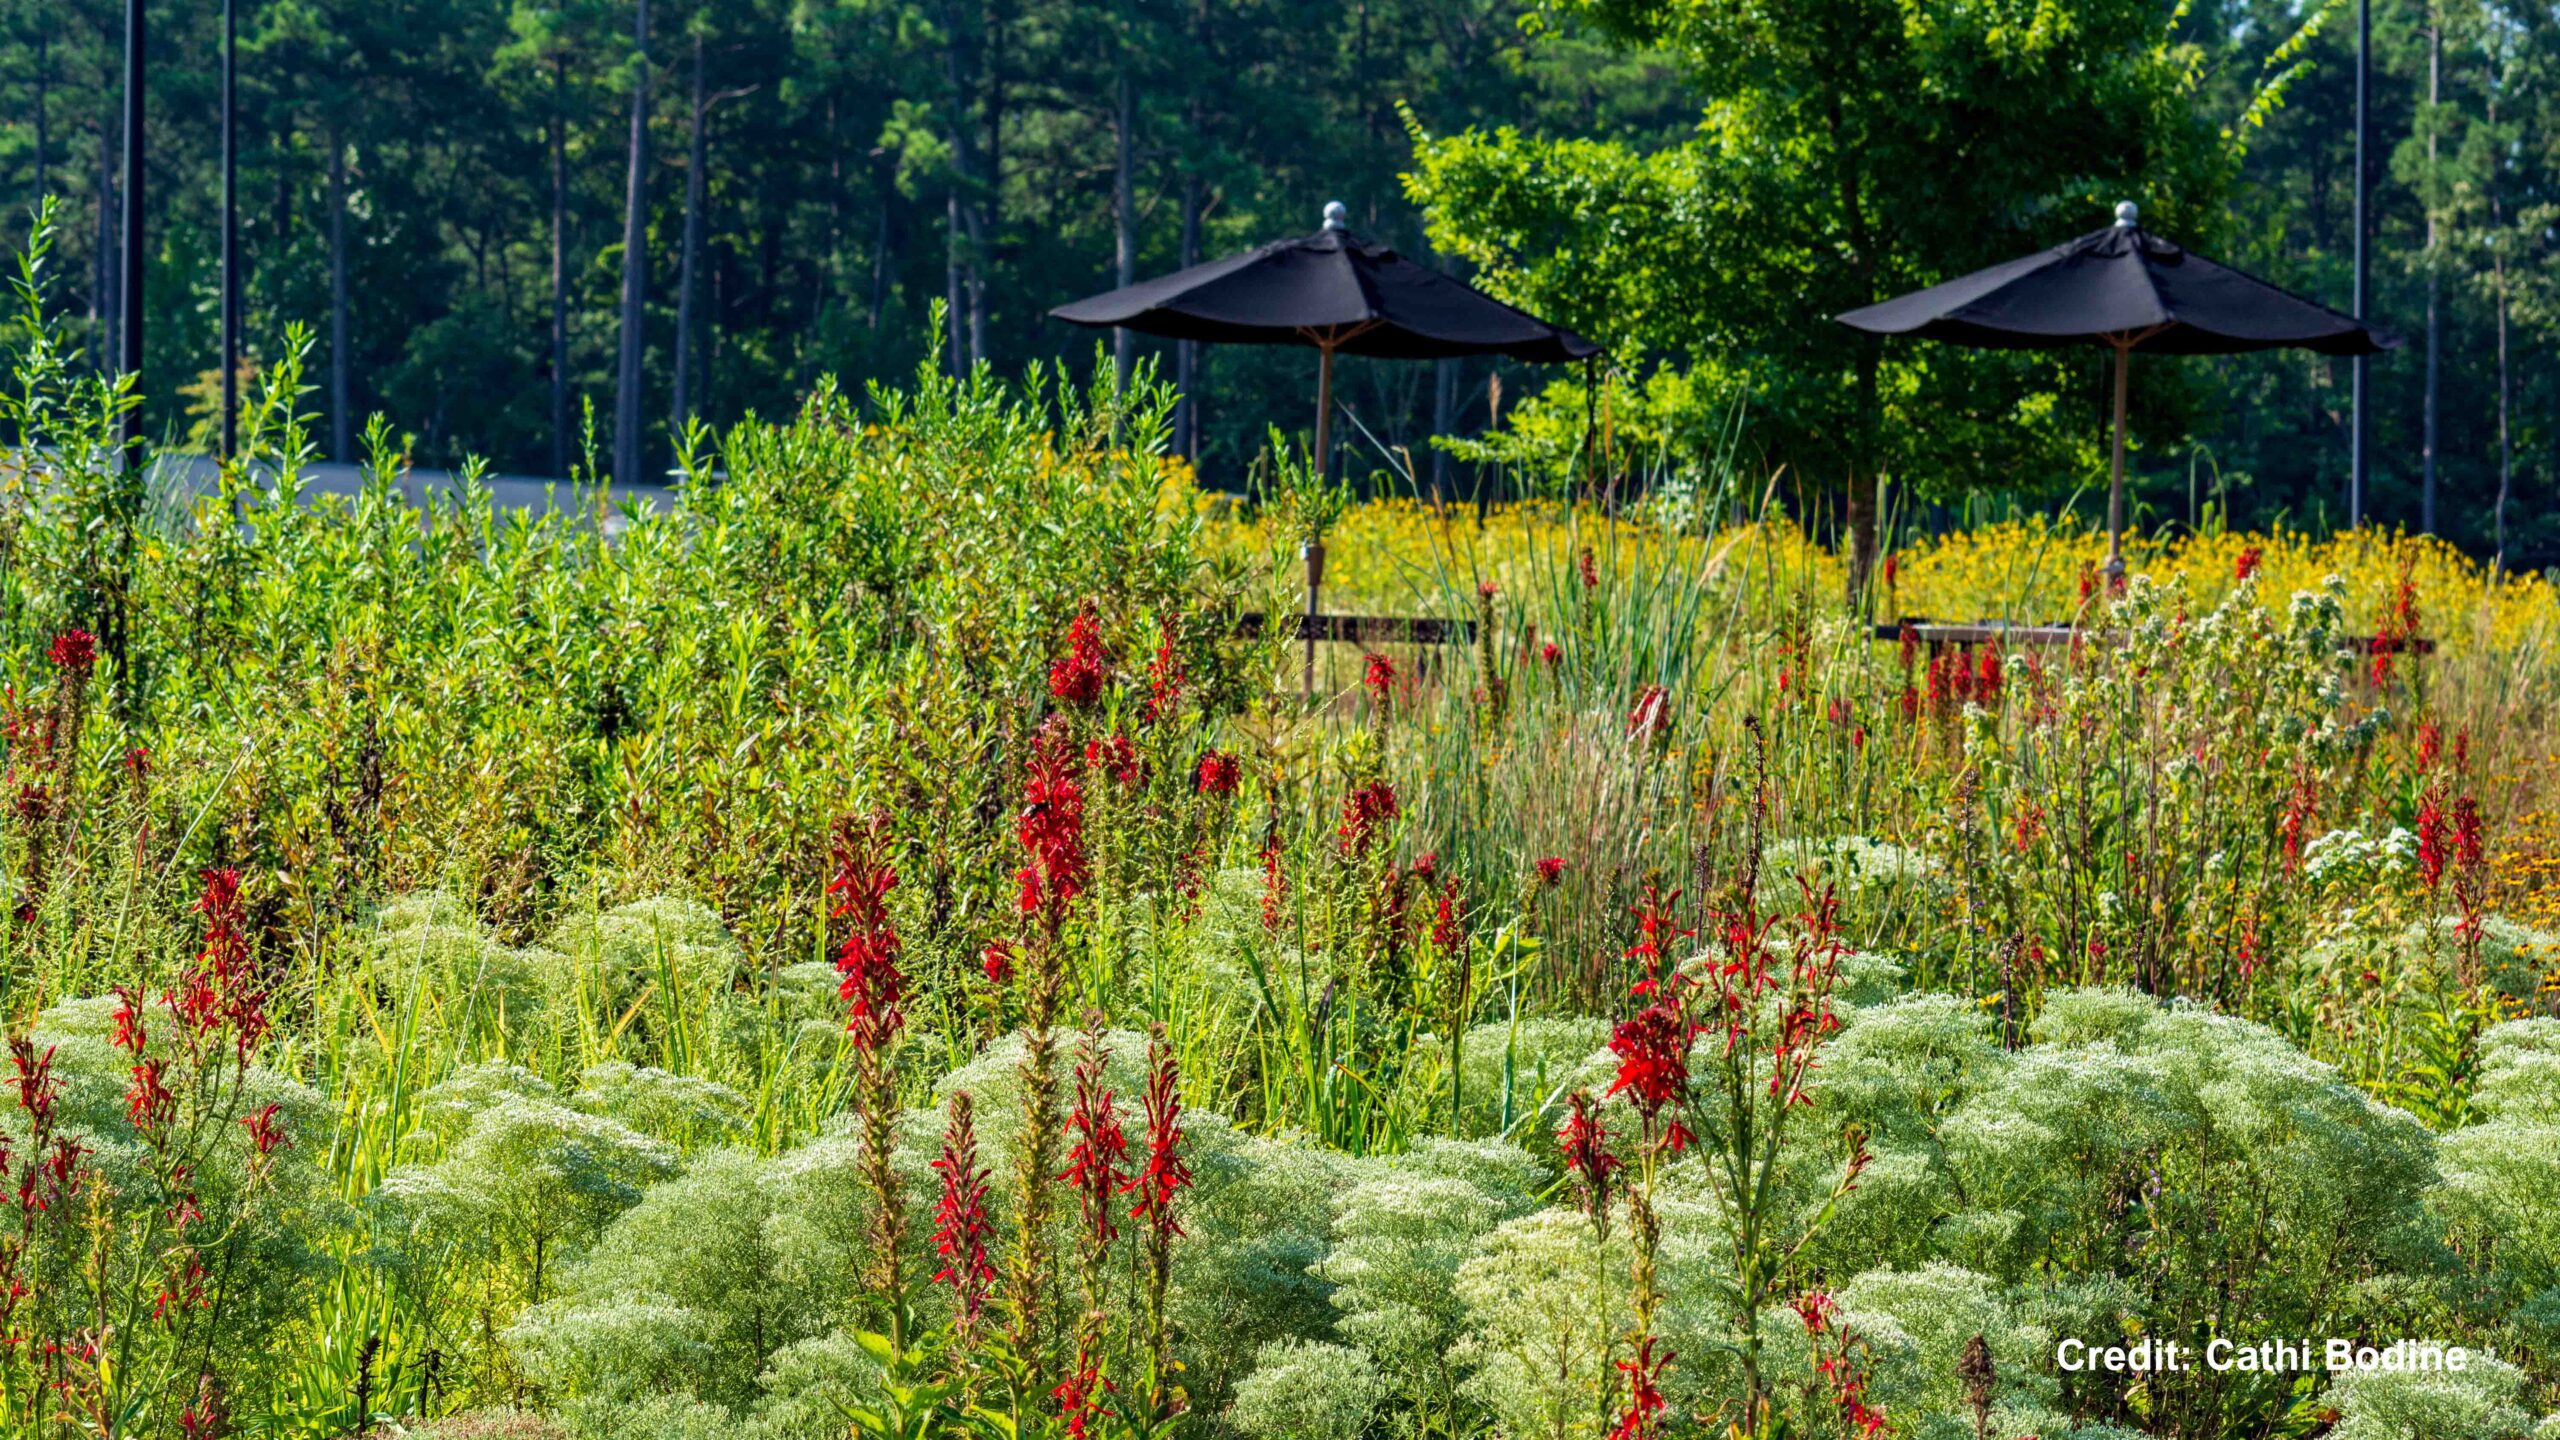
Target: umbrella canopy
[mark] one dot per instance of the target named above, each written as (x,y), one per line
(2127,289)
(1333,291)
(1337,294)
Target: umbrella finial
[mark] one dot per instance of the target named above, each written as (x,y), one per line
(2128,214)
(1337,216)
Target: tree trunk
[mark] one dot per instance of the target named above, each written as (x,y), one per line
(1186,354)
(559,265)
(690,260)
(835,200)
(960,285)
(341,422)
(44,83)
(1124,218)
(2427,443)
(103,288)
(880,261)
(2498,274)
(628,420)
(954,343)
(984,211)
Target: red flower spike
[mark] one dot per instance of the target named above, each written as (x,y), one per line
(1165,674)
(1100,1148)
(1077,677)
(1364,811)
(1275,885)
(130,1036)
(2434,832)
(74,652)
(265,1131)
(1378,677)
(873,988)
(1164,1175)
(1051,832)
(960,1224)
(1219,773)
(1645,1400)
(148,1102)
(1583,1140)
(1449,920)
(1650,720)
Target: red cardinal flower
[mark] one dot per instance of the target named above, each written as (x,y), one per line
(1651,717)
(2434,830)
(1051,831)
(1645,1399)
(1079,1398)
(1163,1175)
(1094,1161)
(1378,677)
(868,959)
(1449,920)
(1363,811)
(1652,1047)
(2301,807)
(1165,674)
(1219,773)
(265,1131)
(148,1102)
(130,1035)
(220,991)
(1116,757)
(960,1224)
(74,651)
(1583,1140)
(1077,677)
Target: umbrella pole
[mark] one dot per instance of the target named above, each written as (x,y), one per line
(2115,479)
(1315,552)
(1324,411)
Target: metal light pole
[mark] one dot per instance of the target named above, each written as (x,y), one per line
(132,298)
(2356,457)
(230,232)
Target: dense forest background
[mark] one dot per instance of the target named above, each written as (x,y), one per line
(442,190)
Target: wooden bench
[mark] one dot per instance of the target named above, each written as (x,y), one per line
(1362,630)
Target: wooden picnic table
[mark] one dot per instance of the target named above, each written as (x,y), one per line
(1361,629)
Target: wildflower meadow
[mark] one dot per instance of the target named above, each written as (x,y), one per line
(873,946)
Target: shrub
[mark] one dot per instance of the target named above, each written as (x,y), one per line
(1308,1390)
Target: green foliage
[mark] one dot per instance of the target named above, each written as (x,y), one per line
(1846,152)
(2476,1404)
(1308,1390)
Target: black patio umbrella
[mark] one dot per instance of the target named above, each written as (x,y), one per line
(1339,294)
(2130,290)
